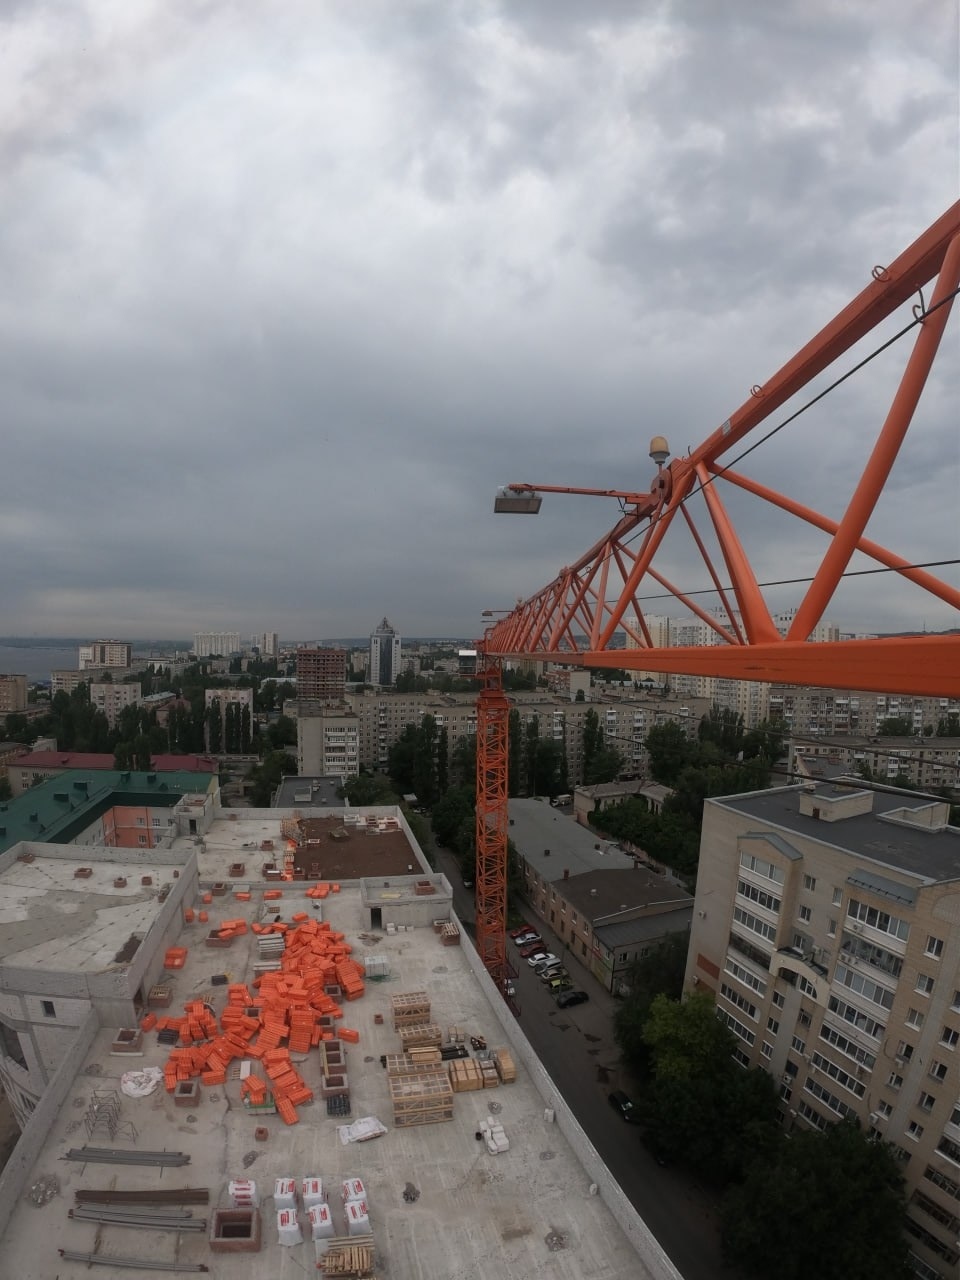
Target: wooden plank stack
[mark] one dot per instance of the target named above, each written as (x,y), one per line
(346,1256)
(424,1056)
(410,1009)
(506,1068)
(450,935)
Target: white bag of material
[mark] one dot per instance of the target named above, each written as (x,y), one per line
(138,1084)
(361,1130)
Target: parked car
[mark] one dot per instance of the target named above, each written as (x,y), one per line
(530,948)
(566,998)
(551,971)
(526,938)
(536,962)
(560,982)
(524,928)
(623,1106)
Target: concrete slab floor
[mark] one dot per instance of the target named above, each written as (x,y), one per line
(476,1216)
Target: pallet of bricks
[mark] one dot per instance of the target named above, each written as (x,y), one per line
(410,1009)
(422,1035)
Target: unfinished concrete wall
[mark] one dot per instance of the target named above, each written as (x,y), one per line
(13,1179)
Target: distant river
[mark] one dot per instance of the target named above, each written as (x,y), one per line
(36,661)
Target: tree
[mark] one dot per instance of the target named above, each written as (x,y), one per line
(425,761)
(895,727)
(245,729)
(826,1204)
(660,972)
(700,1105)
(6,791)
(282,732)
(368,789)
(214,727)
(530,754)
(669,751)
(463,764)
(449,813)
(443,760)
(400,758)
(267,775)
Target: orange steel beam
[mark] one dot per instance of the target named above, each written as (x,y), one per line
(571,620)
(493,720)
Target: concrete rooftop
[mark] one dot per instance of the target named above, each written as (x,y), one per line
(51,920)
(477,1216)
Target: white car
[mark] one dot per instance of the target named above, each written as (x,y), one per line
(541,961)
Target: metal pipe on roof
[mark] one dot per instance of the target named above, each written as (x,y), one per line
(133,1264)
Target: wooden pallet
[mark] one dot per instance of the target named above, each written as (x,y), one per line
(424,1098)
(410,1008)
(424,1056)
(425,1033)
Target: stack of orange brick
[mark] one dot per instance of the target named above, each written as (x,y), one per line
(288,1005)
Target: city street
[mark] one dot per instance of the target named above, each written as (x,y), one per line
(578,1050)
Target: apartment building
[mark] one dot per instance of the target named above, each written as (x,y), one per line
(328,743)
(819,713)
(382,718)
(925,762)
(65,681)
(112,698)
(827,926)
(107,654)
(321,675)
(215,644)
(13,694)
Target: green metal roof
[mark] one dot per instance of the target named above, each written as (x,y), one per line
(56,810)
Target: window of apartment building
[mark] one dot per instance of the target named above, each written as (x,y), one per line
(810,882)
(832,928)
(914,1018)
(760,867)
(926,1101)
(779,999)
(140,822)
(885,1109)
(803,1018)
(769,901)
(894,1080)
(790,1068)
(773,1025)
(573,918)
(949,1037)
(739,1056)
(876,919)
(766,1049)
(914,1131)
(837,897)
(937,1212)
(941,1180)
(904,1050)
(798,1044)
(934,947)
(924,984)
(938,1070)
(786,1093)
(956,1000)
(806,987)
(46,1007)
(949,1149)
(141,839)
(804,913)
(155,822)
(583,948)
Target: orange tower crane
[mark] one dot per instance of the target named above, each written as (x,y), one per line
(572,620)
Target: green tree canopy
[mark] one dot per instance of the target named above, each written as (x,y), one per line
(368,789)
(826,1204)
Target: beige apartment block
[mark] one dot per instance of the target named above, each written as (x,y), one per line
(827,926)
(104,653)
(112,698)
(13,694)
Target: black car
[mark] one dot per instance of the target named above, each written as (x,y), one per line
(623,1106)
(566,998)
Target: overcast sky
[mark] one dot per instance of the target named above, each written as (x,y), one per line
(289,287)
